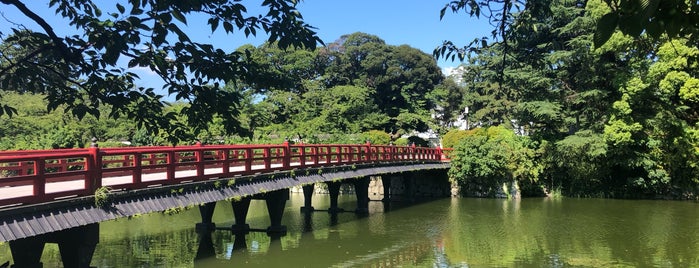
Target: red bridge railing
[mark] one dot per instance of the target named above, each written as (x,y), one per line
(28,177)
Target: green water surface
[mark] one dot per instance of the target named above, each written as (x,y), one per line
(456,232)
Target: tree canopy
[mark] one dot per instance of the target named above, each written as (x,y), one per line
(83,69)
(615,118)
(655,18)
(355,84)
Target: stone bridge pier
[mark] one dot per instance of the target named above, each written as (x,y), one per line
(398,186)
(275,200)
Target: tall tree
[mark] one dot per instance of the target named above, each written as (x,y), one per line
(354,84)
(655,18)
(403,77)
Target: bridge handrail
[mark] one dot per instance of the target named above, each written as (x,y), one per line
(93,166)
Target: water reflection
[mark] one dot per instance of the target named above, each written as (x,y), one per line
(442,233)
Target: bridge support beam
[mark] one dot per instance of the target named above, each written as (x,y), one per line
(76,245)
(276,201)
(386,182)
(334,191)
(207,213)
(410,187)
(307,198)
(361,190)
(240,212)
(26,252)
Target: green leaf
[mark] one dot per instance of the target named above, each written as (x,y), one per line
(605,28)
(228,26)
(214,24)
(136,11)
(121,8)
(178,15)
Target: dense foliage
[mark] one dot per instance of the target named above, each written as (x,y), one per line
(590,98)
(355,90)
(488,158)
(618,119)
(353,85)
(83,69)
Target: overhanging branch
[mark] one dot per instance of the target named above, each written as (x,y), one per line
(58,42)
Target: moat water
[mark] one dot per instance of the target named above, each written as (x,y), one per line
(451,232)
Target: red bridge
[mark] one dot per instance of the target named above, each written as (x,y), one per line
(61,195)
(28,177)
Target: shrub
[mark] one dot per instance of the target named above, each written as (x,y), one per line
(376,137)
(452,138)
(487,158)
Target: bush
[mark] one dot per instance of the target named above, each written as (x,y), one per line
(487,158)
(452,138)
(376,137)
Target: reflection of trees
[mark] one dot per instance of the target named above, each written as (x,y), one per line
(588,232)
(476,232)
(171,249)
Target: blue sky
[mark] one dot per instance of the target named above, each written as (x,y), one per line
(412,22)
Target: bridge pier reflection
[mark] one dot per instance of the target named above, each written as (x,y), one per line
(206,247)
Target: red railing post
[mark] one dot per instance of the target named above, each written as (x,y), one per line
(39,178)
(286,162)
(328,154)
(93,178)
(369,155)
(413,153)
(302,155)
(315,152)
(248,159)
(199,158)
(226,162)
(137,169)
(267,157)
(171,165)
